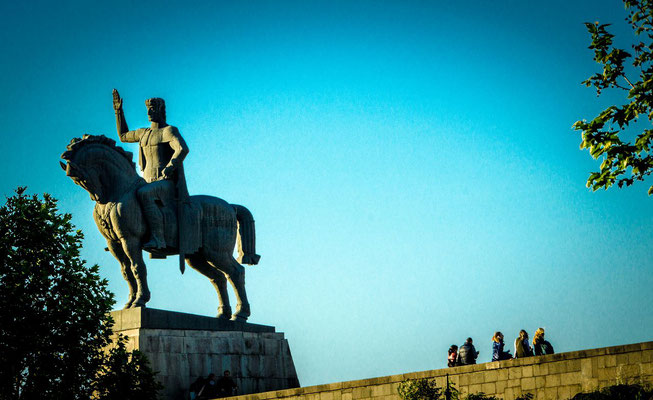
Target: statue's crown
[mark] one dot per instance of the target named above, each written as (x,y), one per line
(156,102)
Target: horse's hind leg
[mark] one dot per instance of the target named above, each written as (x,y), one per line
(217,278)
(125,267)
(236,275)
(237,280)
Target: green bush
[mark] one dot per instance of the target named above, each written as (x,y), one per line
(617,392)
(420,389)
(425,389)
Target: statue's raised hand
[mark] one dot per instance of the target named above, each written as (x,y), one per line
(117,101)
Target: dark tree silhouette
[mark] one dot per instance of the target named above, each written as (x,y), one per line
(54,312)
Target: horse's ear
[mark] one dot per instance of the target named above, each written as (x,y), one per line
(63,166)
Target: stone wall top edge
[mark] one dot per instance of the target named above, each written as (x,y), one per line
(450,371)
(143,317)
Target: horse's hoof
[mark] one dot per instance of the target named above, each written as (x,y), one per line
(238,318)
(140,301)
(129,302)
(241,314)
(224,312)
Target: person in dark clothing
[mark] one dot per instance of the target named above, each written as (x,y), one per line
(226,386)
(196,386)
(209,390)
(467,353)
(453,354)
(541,346)
(497,348)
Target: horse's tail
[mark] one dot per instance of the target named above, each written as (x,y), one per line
(246,236)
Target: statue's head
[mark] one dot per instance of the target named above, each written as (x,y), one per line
(156,109)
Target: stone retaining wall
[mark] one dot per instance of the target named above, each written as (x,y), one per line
(556,376)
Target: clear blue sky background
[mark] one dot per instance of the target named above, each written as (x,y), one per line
(410,164)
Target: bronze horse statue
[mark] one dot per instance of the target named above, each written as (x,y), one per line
(108,173)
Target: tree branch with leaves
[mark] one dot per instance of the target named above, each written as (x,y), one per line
(623,161)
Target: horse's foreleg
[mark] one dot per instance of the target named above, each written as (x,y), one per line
(133,251)
(115,247)
(217,278)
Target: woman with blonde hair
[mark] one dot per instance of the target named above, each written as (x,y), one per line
(497,348)
(522,348)
(540,345)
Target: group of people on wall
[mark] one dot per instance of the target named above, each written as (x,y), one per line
(467,353)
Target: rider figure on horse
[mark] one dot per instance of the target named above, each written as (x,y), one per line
(161,155)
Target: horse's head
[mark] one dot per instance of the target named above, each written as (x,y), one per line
(99,166)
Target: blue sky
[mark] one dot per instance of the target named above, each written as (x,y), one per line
(410,164)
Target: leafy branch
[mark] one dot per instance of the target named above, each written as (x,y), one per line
(623,162)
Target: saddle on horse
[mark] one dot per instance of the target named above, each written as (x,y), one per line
(179,219)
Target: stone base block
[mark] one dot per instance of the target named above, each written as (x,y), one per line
(182,347)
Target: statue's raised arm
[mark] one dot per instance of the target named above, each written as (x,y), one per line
(121,123)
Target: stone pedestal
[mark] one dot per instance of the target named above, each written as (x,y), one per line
(182,347)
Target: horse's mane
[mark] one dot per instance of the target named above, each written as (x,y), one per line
(76,144)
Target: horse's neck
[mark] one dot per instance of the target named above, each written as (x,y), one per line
(121,184)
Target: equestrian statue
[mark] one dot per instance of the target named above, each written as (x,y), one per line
(155,213)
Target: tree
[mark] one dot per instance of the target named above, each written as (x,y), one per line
(54,321)
(624,162)
(53,309)
(126,375)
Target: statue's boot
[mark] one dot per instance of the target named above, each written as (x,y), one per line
(154,220)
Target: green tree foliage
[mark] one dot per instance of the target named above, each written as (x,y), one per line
(623,161)
(54,321)
(617,392)
(126,375)
(425,389)
(421,389)
(53,308)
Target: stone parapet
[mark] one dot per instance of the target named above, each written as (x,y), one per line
(552,377)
